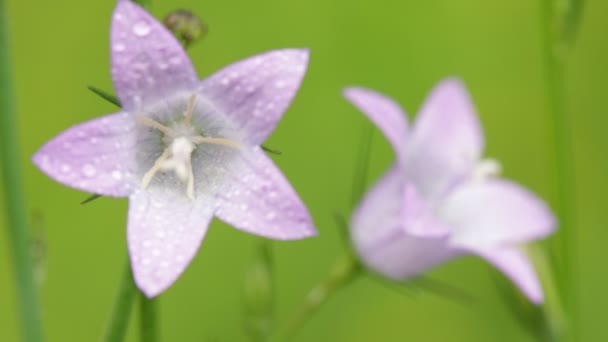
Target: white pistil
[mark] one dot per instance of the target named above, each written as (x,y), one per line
(177,156)
(486,168)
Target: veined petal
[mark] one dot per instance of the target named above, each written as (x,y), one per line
(165,230)
(446,141)
(96,156)
(148,63)
(258,199)
(495,212)
(517,267)
(255,92)
(384,113)
(380,236)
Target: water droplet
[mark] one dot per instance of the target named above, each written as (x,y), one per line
(119,47)
(117,175)
(89,170)
(65,168)
(141,28)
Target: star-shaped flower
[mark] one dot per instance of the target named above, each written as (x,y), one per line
(440,200)
(183,150)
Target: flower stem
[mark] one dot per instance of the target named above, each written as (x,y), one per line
(148,317)
(119,320)
(344,270)
(553,327)
(554,50)
(17,225)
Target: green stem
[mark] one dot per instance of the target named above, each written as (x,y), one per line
(17,225)
(121,312)
(344,270)
(148,318)
(554,324)
(554,62)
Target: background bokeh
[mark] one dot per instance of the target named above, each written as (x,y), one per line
(401,48)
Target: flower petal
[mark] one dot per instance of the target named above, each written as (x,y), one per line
(96,156)
(165,230)
(255,92)
(258,199)
(495,212)
(384,113)
(148,63)
(517,267)
(446,141)
(380,235)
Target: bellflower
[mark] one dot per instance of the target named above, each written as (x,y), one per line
(183,150)
(440,200)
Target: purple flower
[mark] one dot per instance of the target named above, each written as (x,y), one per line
(440,200)
(183,150)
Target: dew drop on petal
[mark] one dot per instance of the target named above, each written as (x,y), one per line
(65,168)
(119,47)
(271,215)
(117,175)
(89,170)
(141,28)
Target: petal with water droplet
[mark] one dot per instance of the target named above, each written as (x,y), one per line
(255,92)
(141,47)
(165,230)
(258,199)
(88,156)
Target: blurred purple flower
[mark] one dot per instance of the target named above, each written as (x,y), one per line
(440,200)
(183,150)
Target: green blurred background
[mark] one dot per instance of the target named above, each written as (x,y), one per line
(401,48)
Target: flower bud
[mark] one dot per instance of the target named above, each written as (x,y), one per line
(186,26)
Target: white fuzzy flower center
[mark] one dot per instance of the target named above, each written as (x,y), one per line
(182,141)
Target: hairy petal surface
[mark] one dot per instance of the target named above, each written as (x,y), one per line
(517,267)
(446,141)
(96,156)
(380,236)
(384,113)
(165,230)
(258,199)
(255,92)
(148,63)
(495,212)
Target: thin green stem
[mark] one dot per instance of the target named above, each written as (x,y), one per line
(148,318)
(554,50)
(554,326)
(121,312)
(259,293)
(17,224)
(345,269)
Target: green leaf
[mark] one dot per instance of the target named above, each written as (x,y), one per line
(106,96)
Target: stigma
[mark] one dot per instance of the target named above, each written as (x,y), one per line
(182,142)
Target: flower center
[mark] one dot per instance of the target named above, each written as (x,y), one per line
(181,141)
